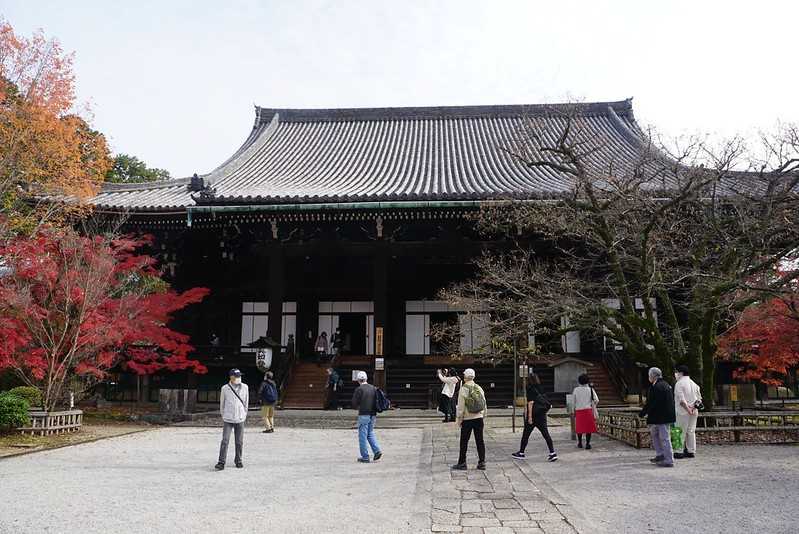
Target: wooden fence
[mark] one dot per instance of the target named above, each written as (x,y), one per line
(753,426)
(46,423)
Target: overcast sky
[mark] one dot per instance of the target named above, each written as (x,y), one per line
(174,82)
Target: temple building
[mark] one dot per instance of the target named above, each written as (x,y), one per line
(330,231)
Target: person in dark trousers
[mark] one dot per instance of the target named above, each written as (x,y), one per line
(470,421)
(446,400)
(234,398)
(335,386)
(267,396)
(365,401)
(659,413)
(535,416)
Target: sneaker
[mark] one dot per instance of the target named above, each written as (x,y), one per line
(239,465)
(688,455)
(553,457)
(518,455)
(656,459)
(679,455)
(458,467)
(378,455)
(220,466)
(265,431)
(363,460)
(664,464)
(481,466)
(270,430)
(588,446)
(579,444)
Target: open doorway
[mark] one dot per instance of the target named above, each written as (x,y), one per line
(353,333)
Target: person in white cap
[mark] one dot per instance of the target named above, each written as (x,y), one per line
(365,401)
(234,400)
(470,416)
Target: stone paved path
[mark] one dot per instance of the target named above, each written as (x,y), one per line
(507,498)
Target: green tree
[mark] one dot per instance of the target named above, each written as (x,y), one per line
(130,169)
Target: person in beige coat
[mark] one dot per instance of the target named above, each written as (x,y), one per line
(471,421)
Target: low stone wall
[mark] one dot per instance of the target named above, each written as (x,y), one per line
(46,423)
(762,427)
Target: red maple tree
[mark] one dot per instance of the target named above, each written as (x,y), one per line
(76,306)
(765,340)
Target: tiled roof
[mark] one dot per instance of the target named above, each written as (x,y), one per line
(295,156)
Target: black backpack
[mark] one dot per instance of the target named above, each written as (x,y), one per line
(381,401)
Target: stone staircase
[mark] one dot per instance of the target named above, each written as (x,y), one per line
(307,388)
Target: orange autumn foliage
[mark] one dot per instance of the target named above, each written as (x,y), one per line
(46,149)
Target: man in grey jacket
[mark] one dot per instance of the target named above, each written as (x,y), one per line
(234,398)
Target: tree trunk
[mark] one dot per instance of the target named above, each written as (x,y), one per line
(708,352)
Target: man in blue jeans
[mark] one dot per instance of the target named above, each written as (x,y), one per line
(365,401)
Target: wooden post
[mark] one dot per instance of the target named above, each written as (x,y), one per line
(515,384)
(380,311)
(277,279)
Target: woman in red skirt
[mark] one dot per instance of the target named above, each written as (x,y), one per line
(585,402)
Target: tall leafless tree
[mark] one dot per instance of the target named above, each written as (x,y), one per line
(657,255)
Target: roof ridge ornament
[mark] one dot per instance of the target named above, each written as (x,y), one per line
(198,185)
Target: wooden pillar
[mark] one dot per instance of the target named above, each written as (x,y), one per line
(381,310)
(277,281)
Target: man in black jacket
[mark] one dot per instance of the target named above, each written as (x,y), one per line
(659,412)
(365,401)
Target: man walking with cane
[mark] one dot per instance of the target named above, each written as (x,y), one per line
(234,399)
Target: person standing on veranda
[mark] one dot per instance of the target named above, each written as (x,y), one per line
(234,398)
(687,398)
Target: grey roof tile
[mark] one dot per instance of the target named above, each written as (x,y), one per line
(393,154)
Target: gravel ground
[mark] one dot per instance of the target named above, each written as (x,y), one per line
(88,432)
(295,480)
(741,489)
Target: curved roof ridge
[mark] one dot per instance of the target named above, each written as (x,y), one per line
(141,186)
(620,107)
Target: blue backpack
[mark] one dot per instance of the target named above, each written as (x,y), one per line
(381,401)
(269,394)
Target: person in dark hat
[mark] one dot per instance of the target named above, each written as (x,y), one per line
(234,398)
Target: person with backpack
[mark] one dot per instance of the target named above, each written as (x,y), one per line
(234,398)
(470,416)
(535,416)
(366,401)
(335,386)
(585,414)
(267,394)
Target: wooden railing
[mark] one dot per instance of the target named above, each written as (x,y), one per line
(712,427)
(617,371)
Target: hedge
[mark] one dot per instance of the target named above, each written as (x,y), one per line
(30,394)
(13,411)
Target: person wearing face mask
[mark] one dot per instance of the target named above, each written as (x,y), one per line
(659,413)
(234,399)
(687,400)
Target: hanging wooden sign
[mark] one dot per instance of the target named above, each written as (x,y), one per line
(379,341)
